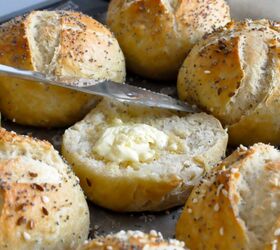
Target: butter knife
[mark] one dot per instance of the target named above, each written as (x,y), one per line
(121,92)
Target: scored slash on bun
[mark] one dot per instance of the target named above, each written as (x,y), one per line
(156,35)
(234,74)
(61,44)
(162,176)
(41,203)
(133,240)
(236,204)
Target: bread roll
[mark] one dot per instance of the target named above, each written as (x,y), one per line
(156,35)
(235,75)
(133,158)
(133,240)
(41,203)
(236,205)
(63,44)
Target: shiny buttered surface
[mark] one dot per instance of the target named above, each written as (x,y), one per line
(132,158)
(234,74)
(61,44)
(156,35)
(133,240)
(41,203)
(236,204)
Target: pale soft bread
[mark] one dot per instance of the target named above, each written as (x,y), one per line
(156,35)
(235,75)
(156,185)
(133,240)
(236,205)
(41,203)
(61,44)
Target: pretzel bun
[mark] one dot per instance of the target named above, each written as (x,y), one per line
(133,240)
(41,203)
(156,35)
(134,158)
(235,75)
(60,44)
(236,205)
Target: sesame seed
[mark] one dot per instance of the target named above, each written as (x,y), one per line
(21,220)
(234,170)
(189,210)
(31,224)
(221,231)
(225,192)
(45,199)
(273,204)
(26,236)
(194,200)
(216,207)
(243,147)
(274,244)
(207,72)
(277,232)
(219,189)
(153,233)
(45,211)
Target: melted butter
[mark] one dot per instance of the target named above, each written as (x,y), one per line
(130,143)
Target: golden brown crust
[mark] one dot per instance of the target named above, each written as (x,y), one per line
(29,103)
(157,35)
(215,87)
(234,74)
(214,208)
(133,240)
(41,203)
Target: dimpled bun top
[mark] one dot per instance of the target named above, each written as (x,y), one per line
(156,35)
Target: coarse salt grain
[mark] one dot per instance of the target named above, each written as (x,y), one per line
(26,236)
(277,232)
(216,207)
(45,199)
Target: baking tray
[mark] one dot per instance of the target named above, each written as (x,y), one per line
(104,221)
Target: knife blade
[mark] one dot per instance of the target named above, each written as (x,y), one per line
(121,92)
